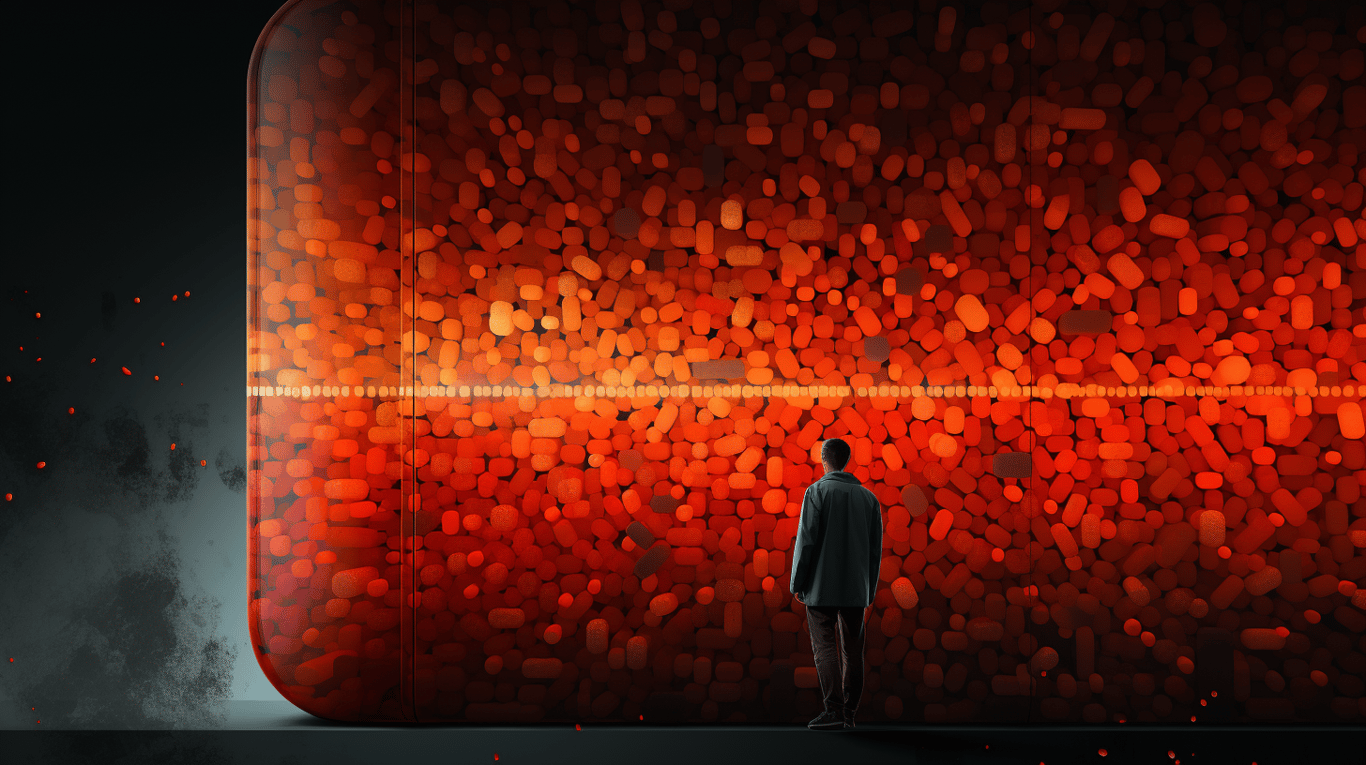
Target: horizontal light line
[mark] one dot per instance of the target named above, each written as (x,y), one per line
(798,391)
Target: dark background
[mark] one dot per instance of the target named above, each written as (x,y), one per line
(123,564)
(122,581)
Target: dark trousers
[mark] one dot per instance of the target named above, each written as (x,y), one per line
(839,667)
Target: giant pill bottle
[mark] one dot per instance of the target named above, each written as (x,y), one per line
(551,306)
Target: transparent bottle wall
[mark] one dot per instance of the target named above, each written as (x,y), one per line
(551,307)
(330,236)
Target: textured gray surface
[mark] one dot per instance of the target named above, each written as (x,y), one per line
(124,597)
(124,559)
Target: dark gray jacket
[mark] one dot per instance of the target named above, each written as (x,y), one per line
(838,550)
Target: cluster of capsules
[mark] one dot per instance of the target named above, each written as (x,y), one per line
(551,307)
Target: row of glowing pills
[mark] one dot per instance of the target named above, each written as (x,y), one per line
(797,391)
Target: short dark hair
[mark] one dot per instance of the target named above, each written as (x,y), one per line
(836,452)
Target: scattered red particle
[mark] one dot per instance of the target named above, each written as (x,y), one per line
(42,465)
(40,358)
(1171,754)
(576,725)
(1103,753)
(137,300)
(38,315)
(163,344)
(642,717)
(203,463)
(92,361)
(172,447)
(1192,718)
(9,498)
(8,379)
(495,756)
(173,297)
(1213,694)
(125,371)
(187,293)
(157,378)
(71,410)
(1204,703)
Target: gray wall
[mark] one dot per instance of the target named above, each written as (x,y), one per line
(123,566)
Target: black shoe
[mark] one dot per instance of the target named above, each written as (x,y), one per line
(848,719)
(827,720)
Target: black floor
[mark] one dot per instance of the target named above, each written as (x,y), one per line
(266,733)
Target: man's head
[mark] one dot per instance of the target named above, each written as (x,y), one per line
(834,454)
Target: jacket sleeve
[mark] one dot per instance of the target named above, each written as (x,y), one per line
(805,546)
(875,544)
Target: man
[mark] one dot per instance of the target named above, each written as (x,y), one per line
(835,562)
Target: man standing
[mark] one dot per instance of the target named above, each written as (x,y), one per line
(835,562)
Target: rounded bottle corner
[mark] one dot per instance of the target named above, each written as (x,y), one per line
(277,20)
(272,674)
(315,707)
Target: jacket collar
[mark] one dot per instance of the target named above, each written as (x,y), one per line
(841,476)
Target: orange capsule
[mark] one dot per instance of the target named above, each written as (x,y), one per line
(1144,177)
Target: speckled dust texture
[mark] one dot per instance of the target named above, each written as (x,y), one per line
(552,306)
(107,628)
